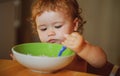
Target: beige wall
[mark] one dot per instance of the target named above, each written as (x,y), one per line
(103,25)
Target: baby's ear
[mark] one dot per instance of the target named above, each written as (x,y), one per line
(76,24)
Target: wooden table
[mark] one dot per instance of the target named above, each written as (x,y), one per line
(13,68)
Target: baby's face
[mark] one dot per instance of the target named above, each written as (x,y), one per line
(52,26)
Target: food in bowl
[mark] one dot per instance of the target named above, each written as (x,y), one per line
(42,57)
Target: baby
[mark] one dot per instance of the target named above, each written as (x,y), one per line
(60,21)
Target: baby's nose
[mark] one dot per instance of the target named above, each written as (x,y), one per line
(51,32)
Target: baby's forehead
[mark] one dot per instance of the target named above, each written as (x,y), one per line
(53,15)
(61,11)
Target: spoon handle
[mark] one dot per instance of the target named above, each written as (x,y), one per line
(61,50)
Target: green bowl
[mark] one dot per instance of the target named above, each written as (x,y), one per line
(42,49)
(42,57)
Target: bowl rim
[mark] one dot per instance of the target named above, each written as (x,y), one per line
(43,57)
(13,51)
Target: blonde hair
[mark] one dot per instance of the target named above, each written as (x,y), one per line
(70,6)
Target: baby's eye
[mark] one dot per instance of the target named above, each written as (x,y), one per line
(43,29)
(58,26)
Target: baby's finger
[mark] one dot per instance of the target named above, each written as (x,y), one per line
(67,44)
(68,37)
(12,56)
(76,35)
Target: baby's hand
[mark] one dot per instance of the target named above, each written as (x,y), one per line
(85,50)
(12,56)
(74,41)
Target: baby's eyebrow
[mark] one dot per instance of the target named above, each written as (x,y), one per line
(42,25)
(57,22)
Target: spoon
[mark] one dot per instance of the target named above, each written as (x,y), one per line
(61,50)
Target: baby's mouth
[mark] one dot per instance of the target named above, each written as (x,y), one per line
(54,41)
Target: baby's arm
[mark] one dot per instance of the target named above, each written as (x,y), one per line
(94,55)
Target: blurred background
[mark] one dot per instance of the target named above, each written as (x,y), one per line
(102,27)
